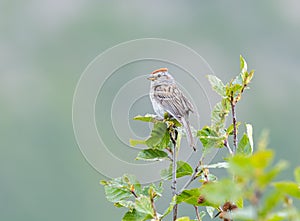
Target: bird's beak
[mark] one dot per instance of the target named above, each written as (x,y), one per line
(151,77)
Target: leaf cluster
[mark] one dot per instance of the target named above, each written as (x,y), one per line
(216,135)
(126,191)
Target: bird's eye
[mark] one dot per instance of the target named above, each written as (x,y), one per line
(159,75)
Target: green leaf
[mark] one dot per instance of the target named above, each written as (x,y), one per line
(244,146)
(152,155)
(192,197)
(240,203)
(119,189)
(270,202)
(185,218)
(146,118)
(263,140)
(217,85)
(134,215)
(235,91)
(243,70)
(249,131)
(289,188)
(289,213)
(235,87)
(124,203)
(152,189)
(246,213)
(189,196)
(230,129)
(172,121)
(143,205)
(157,134)
(159,137)
(133,142)
(216,165)
(249,167)
(297,175)
(243,64)
(165,141)
(261,159)
(240,165)
(237,84)
(248,77)
(115,195)
(219,113)
(104,182)
(210,138)
(264,179)
(221,191)
(277,216)
(183,169)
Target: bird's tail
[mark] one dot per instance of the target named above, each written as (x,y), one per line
(188,131)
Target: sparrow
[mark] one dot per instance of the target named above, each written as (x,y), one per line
(165,96)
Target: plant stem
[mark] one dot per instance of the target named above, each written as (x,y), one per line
(174,164)
(197,213)
(175,208)
(134,194)
(154,209)
(232,102)
(174,169)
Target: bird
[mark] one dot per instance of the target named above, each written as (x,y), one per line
(165,96)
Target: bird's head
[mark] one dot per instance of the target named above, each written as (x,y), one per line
(161,75)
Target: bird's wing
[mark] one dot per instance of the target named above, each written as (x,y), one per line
(172,100)
(189,104)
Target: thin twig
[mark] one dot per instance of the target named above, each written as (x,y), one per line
(175,209)
(134,194)
(174,169)
(153,208)
(232,103)
(197,213)
(174,166)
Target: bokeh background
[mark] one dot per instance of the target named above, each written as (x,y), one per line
(45,45)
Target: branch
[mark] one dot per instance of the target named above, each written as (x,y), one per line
(132,191)
(175,208)
(153,207)
(174,161)
(197,213)
(232,103)
(174,169)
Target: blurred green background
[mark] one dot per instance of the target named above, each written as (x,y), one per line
(45,45)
